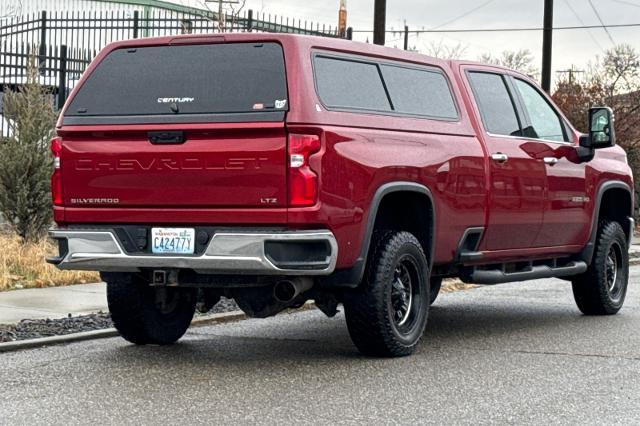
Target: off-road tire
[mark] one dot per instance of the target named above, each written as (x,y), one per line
(368,309)
(598,291)
(138,317)
(434,289)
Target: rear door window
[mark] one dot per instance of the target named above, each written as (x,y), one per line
(495,104)
(419,92)
(348,84)
(170,82)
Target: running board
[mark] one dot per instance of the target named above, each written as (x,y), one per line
(499,276)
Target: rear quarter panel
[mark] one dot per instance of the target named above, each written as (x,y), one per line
(361,152)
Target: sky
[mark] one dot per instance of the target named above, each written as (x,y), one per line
(571,47)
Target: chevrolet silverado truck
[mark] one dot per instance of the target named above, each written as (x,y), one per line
(275,169)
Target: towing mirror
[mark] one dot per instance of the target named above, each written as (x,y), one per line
(601,130)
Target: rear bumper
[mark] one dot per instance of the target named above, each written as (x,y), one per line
(251,253)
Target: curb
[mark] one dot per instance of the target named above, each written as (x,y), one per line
(109,332)
(56,340)
(200,321)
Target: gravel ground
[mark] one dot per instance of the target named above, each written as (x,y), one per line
(36,328)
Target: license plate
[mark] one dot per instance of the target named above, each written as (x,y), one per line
(172,240)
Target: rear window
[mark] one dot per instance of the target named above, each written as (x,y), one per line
(384,87)
(419,92)
(350,84)
(176,83)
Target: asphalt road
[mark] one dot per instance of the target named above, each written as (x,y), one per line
(515,353)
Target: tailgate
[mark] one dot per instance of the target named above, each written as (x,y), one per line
(236,166)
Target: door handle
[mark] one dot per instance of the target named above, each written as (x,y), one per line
(499,157)
(550,161)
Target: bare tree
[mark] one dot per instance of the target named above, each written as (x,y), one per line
(235,10)
(12,10)
(519,60)
(446,51)
(232,10)
(621,66)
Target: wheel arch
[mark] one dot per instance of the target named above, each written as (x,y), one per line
(383,203)
(614,200)
(351,277)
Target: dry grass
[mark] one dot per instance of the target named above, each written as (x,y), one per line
(451,285)
(23,265)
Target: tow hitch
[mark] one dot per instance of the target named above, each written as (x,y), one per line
(161,277)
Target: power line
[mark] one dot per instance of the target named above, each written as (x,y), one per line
(492,30)
(463,15)
(595,40)
(601,22)
(628,3)
(459,41)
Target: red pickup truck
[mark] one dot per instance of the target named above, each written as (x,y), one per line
(274,169)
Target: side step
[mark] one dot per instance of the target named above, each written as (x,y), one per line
(499,276)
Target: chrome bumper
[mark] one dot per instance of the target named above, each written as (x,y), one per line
(226,253)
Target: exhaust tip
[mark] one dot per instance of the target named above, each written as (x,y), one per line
(285,291)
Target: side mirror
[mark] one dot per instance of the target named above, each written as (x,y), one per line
(601,130)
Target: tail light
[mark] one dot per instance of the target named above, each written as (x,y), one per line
(56,177)
(303,182)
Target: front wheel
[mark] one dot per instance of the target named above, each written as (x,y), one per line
(602,289)
(387,314)
(143,314)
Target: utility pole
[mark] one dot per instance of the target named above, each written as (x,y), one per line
(379,21)
(547,42)
(406,37)
(571,71)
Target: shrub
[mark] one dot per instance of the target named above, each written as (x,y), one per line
(25,160)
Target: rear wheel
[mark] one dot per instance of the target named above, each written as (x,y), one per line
(602,289)
(143,314)
(387,314)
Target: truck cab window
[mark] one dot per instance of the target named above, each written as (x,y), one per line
(350,84)
(544,121)
(495,104)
